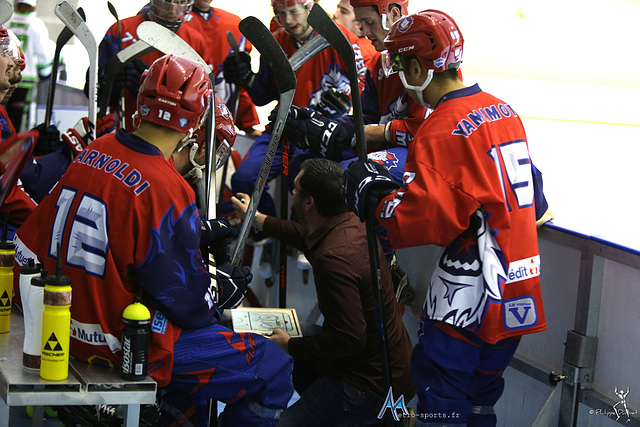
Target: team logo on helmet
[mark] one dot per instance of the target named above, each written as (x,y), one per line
(183,122)
(405,24)
(224,111)
(144,110)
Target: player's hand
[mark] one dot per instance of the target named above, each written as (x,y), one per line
(218,235)
(129,78)
(236,69)
(281,338)
(365,184)
(310,130)
(240,204)
(232,285)
(48,141)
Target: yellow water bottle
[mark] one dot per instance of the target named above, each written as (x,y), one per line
(7,257)
(56,323)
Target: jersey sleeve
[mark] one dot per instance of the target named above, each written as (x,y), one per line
(402,131)
(442,207)
(172,271)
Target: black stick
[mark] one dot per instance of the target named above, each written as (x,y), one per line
(322,23)
(260,36)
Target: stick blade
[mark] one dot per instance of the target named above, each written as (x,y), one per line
(167,42)
(262,39)
(6,10)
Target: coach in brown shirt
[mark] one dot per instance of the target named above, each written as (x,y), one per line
(349,386)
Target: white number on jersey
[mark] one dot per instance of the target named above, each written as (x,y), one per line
(517,168)
(88,242)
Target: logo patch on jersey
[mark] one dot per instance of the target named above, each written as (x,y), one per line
(385,158)
(405,24)
(144,110)
(524,269)
(520,313)
(159,324)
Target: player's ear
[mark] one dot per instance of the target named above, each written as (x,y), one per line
(309,203)
(393,14)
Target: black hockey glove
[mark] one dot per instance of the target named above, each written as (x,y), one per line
(365,184)
(236,69)
(48,141)
(128,78)
(310,130)
(232,285)
(216,236)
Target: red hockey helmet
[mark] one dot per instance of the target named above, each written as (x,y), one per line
(225,132)
(169,13)
(174,92)
(432,36)
(383,5)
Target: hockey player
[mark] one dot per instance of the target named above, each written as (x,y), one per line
(126,224)
(213,24)
(468,188)
(168,13)
(391,117)
(321,73)
(39,49)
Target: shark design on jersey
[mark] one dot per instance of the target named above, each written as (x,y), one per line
(186,224)
(398,108)
(334,78)
(470,274)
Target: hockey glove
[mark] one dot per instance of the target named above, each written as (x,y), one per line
(77,137)
(128,78)
(236,69)
(365,184)
(217,234)
(310,130)
(48,141)
(232,285)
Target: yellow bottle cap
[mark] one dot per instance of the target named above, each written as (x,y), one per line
(136,311)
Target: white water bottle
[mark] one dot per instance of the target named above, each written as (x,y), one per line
(32,294)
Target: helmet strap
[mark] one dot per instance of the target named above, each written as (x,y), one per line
(418,89)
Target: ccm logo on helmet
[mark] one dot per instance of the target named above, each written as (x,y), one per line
(404,49)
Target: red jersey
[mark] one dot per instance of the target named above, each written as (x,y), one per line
(213,25)
(321,72)
(127,225)
(468,187)
(109,47)
(385,100)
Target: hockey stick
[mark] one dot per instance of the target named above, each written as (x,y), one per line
(114,66)
(260,36)
(64,36)
(6,10)
(322,23)
(311,48)
(233,98)
(72,20)
(114,13)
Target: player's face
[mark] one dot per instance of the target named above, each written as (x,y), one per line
(6,69)
(371,23)
(16,75)
(344,15)
(171,10)
(202,4)
(294,20)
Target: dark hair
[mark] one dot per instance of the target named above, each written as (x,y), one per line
(323,180)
